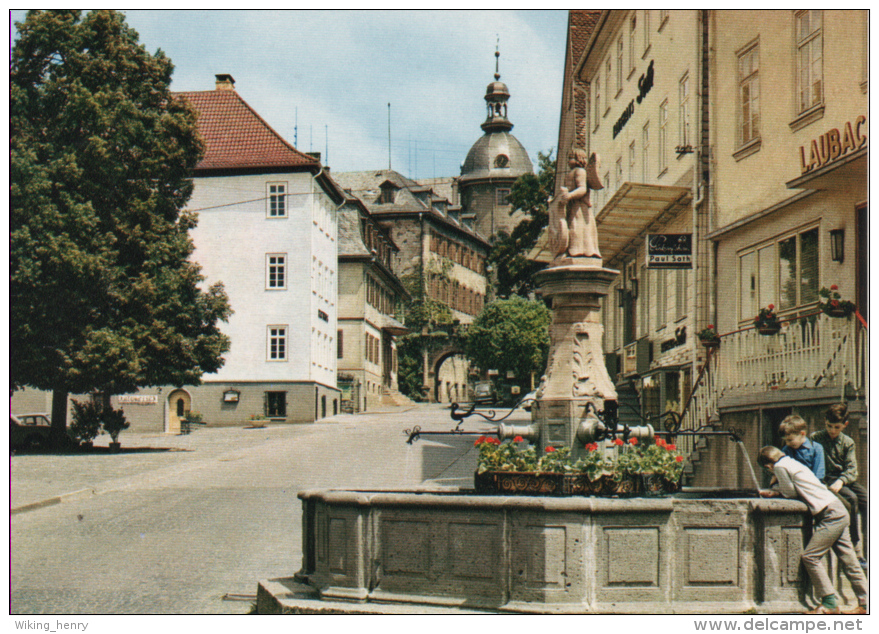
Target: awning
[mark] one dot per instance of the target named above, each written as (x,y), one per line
(635,210)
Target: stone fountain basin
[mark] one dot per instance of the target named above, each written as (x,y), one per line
(694,552)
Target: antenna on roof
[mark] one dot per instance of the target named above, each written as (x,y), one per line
(296,129)
(497,58)
(389,135)
(326,144)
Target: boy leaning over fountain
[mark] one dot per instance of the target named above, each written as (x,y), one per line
(841,467)
(829,530)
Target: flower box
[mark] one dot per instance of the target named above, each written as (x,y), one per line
(708,343)
(769,329)
(541,484)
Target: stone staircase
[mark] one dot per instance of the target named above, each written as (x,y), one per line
(395,398)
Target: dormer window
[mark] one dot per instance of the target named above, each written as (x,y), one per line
(388,193)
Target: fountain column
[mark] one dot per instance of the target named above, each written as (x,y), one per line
(576,375)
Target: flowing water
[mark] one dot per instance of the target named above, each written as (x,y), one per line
(750,466)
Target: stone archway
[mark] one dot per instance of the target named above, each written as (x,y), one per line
(445,387)
(179,404)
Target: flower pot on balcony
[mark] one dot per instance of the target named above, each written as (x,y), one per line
(769,329)
(115,447)
(836,312)
(711,343)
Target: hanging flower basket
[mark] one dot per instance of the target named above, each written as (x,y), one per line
(709,337)
(833,305)
(766,322)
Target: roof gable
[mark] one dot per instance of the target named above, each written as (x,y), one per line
(237,138)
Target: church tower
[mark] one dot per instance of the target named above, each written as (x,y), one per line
(492,165)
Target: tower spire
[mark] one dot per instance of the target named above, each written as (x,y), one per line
(496,96)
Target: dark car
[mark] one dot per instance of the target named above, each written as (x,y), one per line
(484,393)
(28,431)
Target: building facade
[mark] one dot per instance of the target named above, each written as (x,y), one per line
(436,247)
(370,298)
(723,196)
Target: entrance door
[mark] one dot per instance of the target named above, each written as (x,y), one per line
(179,403)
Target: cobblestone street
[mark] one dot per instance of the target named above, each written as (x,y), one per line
(176,523)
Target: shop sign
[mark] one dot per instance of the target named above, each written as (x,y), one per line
(645,83)
(670,251)
(833,144)
(138,399)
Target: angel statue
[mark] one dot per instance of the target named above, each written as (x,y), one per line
(572,228)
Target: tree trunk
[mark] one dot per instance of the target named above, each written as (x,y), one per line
(58,433)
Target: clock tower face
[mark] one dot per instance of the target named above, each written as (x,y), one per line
(501,160)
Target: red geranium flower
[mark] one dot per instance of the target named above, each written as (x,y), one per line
(550,449)
(670,447)
(618,441)
(771,306)
(834,287)
(834,303)
(633,441)
(518,439)
(479,441)
(494,441)
(679,458)
(711,326)
(659,441)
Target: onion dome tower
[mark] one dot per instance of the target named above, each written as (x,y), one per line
(492,165)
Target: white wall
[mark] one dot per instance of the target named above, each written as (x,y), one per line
(233,236)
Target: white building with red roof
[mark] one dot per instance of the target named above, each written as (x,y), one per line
(267,230)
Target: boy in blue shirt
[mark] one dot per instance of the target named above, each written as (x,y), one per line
(799,447)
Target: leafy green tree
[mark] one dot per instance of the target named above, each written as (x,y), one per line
(530,192)
(510,335)
(103,295)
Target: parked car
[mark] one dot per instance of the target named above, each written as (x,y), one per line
(484,393)
(28,430)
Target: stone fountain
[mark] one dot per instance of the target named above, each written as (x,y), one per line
(451,549)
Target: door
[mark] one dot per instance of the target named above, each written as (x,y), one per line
(179,403)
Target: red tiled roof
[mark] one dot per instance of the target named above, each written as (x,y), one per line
(236,137)
(582,23)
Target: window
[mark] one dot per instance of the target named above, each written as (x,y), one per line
(645,152)
(277,195)
(276,270)
(608,67)
(684,94)
(388,193)
(661,286)
(783,272)
(663,136)
(620,47)
(502,197)
(340,346)
(749,94)
(681,279)
(810,63)
(643,301)
(646,31)
(619,174)
(277,340)
(633,23)
(632,161)
(596,86)
(276,404)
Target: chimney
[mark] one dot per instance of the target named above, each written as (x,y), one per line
(225,82)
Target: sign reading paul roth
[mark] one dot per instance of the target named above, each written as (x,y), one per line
(670,251)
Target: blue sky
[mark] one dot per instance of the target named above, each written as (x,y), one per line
(334,73)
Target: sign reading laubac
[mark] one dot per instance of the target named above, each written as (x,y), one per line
(670,251)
